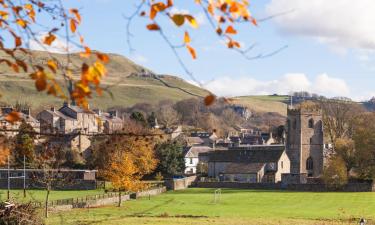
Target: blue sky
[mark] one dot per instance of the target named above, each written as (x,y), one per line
(330,46)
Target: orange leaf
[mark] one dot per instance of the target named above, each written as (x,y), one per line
(49,39)
(103,57)
(230,30)
(192,51)
(178,19)
(41,84)
(73,25)
(13,117)
(153,26)
(209,99)
(22,23)
(18,41)
(187,38)
(76,14)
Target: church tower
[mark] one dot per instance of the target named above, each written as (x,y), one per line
(304,144)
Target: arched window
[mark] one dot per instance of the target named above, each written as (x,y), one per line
(294,123)
(309,164)
(320,125)
(311,123)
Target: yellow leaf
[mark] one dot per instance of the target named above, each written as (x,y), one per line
(52,65)
(22,23)
(178,19)
(192,21)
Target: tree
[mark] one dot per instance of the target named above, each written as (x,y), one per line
(335,173)
(138,117)
(338,118)
(167,116)
(130,158)
(344,148)
(364,139)
(4,150)
(171,158)
(24,144)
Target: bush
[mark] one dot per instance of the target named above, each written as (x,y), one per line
(335,173)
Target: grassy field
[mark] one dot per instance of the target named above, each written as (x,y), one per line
(264,103)
(39,195)
(195,206)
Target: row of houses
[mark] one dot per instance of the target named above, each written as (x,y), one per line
(69,119)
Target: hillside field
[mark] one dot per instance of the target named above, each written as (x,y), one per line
(195,206)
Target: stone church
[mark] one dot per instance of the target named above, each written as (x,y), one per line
(305,143)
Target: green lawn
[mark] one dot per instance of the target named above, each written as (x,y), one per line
(39,195)
(195,206)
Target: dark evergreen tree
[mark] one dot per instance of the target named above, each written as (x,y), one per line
(171,158)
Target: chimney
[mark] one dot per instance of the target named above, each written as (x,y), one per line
(26,111)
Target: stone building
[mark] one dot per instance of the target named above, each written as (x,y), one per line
(254,164)
(68,119)
(304,144)
(192,159)
(11,129)
(109,122)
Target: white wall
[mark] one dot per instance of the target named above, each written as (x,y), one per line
(191,165)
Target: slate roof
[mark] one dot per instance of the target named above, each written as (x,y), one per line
(59,114)
(243,168)
(194,140)
(266,155)
(194,151)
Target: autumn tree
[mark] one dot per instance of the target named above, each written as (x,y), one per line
(364,139)
(4,150)
(335,173)
(345,149)
(171,158)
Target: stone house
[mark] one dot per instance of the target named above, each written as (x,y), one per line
(260,164)
(10,129)
(192,157)
(109,122)
(68,119)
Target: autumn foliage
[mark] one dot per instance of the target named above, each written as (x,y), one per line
(19,20)
(126,160)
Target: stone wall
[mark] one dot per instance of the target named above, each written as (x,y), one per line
(179,184)
(351,187)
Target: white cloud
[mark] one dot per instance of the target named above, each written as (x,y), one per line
(342,24)
(58,46)
(322,84)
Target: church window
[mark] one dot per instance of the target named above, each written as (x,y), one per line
(311,123)
(309,164)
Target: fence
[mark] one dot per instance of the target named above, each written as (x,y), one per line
(97,200)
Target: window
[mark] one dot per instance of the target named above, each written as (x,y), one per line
(282,164)
(311,123)
(191,160)
(311,141)
(294,124)
(309,164)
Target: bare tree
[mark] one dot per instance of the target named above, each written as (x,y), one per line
(167,116)
(338,117)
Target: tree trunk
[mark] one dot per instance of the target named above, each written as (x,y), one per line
(46,204)
(119,199)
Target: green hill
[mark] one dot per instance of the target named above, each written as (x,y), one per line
(264,103)
(127,84)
